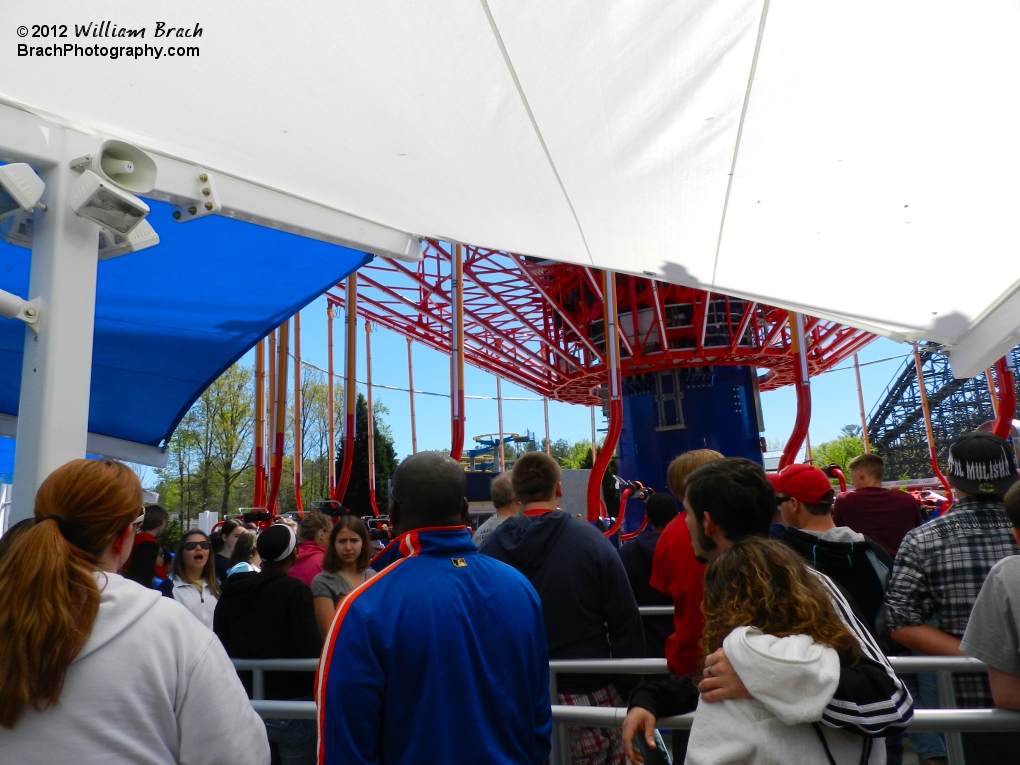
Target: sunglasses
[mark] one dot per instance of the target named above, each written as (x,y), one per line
(136,524)
(781,499)
(189,546)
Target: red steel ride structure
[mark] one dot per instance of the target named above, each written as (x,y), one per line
(540,324)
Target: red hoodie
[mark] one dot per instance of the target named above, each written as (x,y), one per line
(309,562)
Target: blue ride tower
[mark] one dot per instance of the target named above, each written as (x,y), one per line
(673,411)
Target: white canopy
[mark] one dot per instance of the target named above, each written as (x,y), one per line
(853,160)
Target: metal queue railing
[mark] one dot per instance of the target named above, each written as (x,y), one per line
(947,719)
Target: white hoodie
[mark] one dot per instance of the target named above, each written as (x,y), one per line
(792,679)
(201,602)
(150,687)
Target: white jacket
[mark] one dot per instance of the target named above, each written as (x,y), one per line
(202,603)
(792,680)
(148,688)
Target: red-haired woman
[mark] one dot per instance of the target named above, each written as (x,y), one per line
(96,667)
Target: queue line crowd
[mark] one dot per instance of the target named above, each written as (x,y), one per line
(787,600)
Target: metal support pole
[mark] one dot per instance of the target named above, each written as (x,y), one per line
(947,700)
(259,492)
(350,384)
(371,425)
(281,417)
(298,434)
(457,354)
(860,402)
(499,413)
(258,683)
(410,389)
(545,410)
(594,438)
(933,457)
(330,403)
(270,446)
(56,369)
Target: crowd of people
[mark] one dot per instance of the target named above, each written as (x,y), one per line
(787,599)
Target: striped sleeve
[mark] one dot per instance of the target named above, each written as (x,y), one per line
(870,698)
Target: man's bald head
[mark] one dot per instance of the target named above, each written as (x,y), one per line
(428,490)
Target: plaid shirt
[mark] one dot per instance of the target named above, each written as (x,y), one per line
(938,574)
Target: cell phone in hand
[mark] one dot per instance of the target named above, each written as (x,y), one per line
(657,756)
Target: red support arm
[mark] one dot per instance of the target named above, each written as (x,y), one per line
(1007,399)
(624,496)
(803,386)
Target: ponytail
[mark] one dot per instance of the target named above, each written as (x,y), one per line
(49,596)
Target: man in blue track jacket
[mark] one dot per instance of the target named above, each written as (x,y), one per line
(442,656)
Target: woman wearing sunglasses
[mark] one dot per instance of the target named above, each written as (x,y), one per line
(192,581)
(108,671)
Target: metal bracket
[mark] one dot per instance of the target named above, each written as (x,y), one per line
(208,201)
(13,307)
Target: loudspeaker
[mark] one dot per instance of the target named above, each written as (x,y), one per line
(125,166)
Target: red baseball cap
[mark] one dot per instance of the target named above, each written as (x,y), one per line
(804,482)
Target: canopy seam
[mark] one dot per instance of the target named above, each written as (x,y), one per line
(534,123)
(740,132)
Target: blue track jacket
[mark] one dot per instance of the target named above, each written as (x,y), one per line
(440,658)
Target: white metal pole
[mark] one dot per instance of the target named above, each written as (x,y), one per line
(501,461)
(56,370)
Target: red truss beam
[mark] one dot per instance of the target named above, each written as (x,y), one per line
(540,324)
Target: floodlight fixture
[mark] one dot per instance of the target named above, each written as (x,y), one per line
(112,244)
(17,229)
(102,202)
(20,189)
(123,165)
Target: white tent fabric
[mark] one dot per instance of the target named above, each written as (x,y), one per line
(854,160)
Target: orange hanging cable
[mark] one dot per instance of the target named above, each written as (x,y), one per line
(371,425)
(330,403)
(860,401)
(927,426)
(281,417)
(298,434)
(351,298)
(410,388)
(457,354)
(270,441)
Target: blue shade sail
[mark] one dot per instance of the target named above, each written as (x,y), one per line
(172,318)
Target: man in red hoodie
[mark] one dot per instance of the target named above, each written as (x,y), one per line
(313,536)
(676,573)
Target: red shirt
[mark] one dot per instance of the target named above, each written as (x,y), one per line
(676,572)
(885,515)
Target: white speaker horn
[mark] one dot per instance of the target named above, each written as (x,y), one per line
(123,165)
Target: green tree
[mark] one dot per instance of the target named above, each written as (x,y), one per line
(357,495)
(210,452)
(841,450)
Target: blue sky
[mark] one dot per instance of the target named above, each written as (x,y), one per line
(834,394)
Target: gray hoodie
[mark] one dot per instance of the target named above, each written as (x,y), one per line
(152,686)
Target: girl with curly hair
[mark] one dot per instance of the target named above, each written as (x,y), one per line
(767,611)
